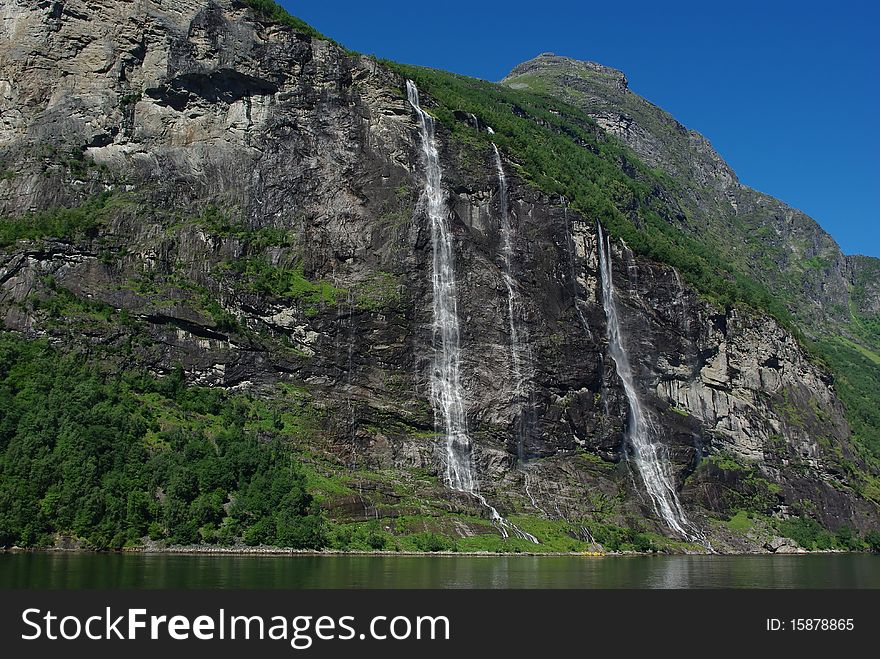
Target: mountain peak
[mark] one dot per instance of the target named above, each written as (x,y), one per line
(581,68)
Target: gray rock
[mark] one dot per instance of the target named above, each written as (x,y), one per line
(781,545)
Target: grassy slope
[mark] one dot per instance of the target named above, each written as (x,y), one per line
(271,12)
(785,262)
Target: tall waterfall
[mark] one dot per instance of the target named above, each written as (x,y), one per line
(445,379)
(521,386)
(649,456)
(446,392)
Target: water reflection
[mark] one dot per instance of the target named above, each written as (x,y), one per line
(57,570)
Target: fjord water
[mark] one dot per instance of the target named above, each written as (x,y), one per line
(86,571)
(446,390)
(649,456)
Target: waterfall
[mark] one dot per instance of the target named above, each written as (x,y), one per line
(507,234)
(531,497)
(345,326)
(446,392)
(521,382)
(445,380)
(352,419)
(649,457)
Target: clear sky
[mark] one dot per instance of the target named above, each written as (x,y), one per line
(788,92)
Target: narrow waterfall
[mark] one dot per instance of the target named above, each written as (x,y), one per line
(507,235)
(534,502)
(649,457)
(345,329)
(521,380)
(446,392)
(352,420)
(445,379)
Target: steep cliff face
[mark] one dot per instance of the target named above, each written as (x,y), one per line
(765,237)
(249,205)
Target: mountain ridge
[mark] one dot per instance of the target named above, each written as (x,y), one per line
(643,125)
(551,59)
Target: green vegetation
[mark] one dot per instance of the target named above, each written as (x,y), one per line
(857,383)
(260,275)
(270,11)
(62,223)
(287,282)
(809,534)
(594,462)
(561,151)
(816,263)
(109,459)
(424,533)
(787,409)
(752,494)
(558,148)
(741,522)
(221,222)
(806,531)
(60,303)
(866,278)
(380,293)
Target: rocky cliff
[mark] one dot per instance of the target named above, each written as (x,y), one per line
(197,186)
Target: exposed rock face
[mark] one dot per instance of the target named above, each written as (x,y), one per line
(233,147)
(782,546)
(785,248)
(866,284)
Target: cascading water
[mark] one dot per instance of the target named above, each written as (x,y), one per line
(445,379)
(528,483)
(521,378)
(352,420)
(446,389)
(649,456)
(345,328)
(507,235)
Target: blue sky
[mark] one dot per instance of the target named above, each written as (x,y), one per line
(787,92)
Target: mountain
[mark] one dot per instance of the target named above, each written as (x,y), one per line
(823,295)
(767,239)
(259,289)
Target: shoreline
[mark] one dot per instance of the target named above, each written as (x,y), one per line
(280,551)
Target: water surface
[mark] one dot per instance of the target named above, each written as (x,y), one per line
(77,571)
